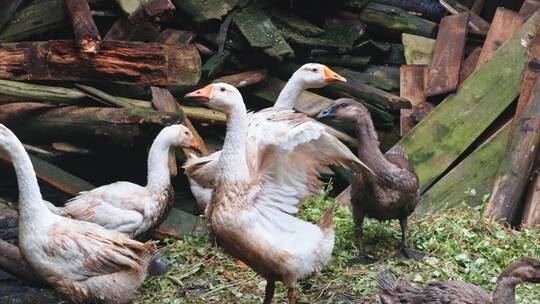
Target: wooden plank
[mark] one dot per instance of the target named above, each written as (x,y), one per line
(437,141)
(470,180)
(504,25)
(531,212)
(529,7)
(118,61)
(55,177)
(476,23)
(418,49)
(469,65)
(412,81)
(521,149)
(448,54)
(85,29)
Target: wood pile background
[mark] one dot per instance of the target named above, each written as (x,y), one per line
(87,85)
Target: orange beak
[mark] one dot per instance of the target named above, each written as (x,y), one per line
(195,145)
(201,95)
(331,76)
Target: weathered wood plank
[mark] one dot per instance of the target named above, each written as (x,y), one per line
(396,20)
(504,25)
(418,49)
(244,79)
(40,92)
(9,7)
(448,55)
(39,17)
(529,7)
(437,141)
(470,180)
(122,62)
(85,29)
(412,82)
(469,65)
(55,177)
(476,23)
(520,153)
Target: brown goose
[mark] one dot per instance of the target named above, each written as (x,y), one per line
(456,292)
(391,192)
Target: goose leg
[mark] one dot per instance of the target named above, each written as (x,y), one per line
(404,251)
(292,295)
(362,258)
(269,293)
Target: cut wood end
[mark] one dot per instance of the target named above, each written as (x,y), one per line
(90,46)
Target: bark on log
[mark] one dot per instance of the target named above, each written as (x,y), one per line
(448,55)
(12,262)
(516,165)
(122,62)
(107,126)
(85,29)
(504,25)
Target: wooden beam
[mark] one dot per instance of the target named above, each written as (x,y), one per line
(418,49)
(85,29)
(470,180)
(449,47)
(412,82)
(469,65)
(529,7)
(522,145)
(55,176)
(504,25)
(121,62)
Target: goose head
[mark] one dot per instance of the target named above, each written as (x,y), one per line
(345,110)
(315,75)
(219,96)
(180,136)
(525,270)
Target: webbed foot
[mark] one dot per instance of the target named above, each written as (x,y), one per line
(405,252)
(362,259)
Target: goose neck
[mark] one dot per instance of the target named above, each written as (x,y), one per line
(505,291)
(290,93)
(159,175)
(233,162)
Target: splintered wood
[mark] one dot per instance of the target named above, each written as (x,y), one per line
(504,25)
(122,62)
(448,55)
(84,27)
(412,80)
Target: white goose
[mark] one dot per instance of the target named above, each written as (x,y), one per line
(129,208)
(321,148)
(83,261)
(250,208)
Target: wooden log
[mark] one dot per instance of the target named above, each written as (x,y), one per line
(448,54)
(431,11)
(85,29)
(299,25)
(469,65)
(55,176)
(122,62)
(412,81)
(529,7)
(172,36)
(504,25)
(343,60)
(418,49)
(38,18)
(470,181)
(40,92)
(260,32)
(517,162)
(381,77)
(81,126)
(476,23)
(531,212)
(344,29)
(9,7)
(12,262)
(396,20)
(244,79)
(516,165)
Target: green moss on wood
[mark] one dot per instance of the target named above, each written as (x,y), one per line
(418,49)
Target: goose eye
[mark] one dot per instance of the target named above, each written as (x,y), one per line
(222,89)
(314,69)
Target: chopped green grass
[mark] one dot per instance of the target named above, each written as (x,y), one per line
(461,244)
